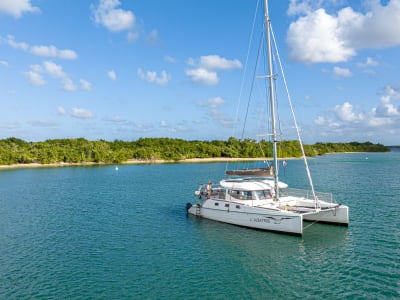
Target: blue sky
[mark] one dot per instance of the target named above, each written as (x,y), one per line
(119,69)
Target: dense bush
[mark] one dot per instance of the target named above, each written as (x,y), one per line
(16,151)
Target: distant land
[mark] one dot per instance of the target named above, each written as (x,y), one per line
(14,151)
(394,148)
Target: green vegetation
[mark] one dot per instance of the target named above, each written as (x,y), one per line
(16,151)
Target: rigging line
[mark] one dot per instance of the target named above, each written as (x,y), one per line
(294,119)
(251,89)
(244,73)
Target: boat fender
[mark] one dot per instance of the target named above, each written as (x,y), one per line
(188,206)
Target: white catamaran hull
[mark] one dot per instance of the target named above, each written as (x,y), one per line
(338,215)
(247,216)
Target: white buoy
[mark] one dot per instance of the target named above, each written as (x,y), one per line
(116,168)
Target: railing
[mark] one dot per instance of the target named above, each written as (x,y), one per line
(327,197)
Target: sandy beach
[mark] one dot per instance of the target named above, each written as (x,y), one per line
(131,161)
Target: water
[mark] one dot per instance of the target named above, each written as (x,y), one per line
(98,233)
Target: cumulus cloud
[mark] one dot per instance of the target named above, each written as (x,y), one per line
(115,19)
(369,62)
(112,75)
(205,68)
(204,76)
(43,51)
(321,37)
(81,113)
(173,128)
(10,40)
(52,51)
(347,121)
(35,78)
(212,106)
(342,72)
(345,112)
(37,73)
(61,110)
(85,85)
(17,8)
(53,69)
(153,77)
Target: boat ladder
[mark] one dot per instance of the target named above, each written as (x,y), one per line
(198,209)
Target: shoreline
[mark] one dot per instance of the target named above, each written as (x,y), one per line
(130,162)
(151,162)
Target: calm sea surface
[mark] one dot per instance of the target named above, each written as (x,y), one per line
(98,233)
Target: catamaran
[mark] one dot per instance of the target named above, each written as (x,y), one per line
(256,198)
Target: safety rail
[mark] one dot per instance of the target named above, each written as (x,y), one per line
(327,197)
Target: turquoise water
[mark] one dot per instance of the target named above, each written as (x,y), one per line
(98,233)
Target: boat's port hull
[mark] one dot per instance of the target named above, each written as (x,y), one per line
(338,216)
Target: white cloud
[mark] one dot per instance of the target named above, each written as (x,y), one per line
(16,45)
(112,75)
(342,72)
(61,110)
(35,78)
(369,62)
(152,77)
(215,102)
(220,118)
(114,119)
(206,67)
(53,69)
(43,51)
(16,8)
(113,18)
(68,85)
(316,38)
(321,37)
(212,106)
(52,51)
(299,8)
(203,76)
(345,113)
(349,122)
(85,85)
(4,63)
(152,37)
(320,120)
(81,113)
(215,62)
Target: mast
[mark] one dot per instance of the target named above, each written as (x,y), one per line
(271,99)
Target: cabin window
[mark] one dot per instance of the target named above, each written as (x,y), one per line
(235,194)
(238,206)
(248,195)
(226,204)
(216,203)
(264,194)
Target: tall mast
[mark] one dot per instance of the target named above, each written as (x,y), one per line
(271,99)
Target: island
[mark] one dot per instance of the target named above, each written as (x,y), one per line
(78,151)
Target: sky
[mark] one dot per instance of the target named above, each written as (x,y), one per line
(119,69)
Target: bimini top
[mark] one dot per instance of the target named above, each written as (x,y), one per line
(251,184)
